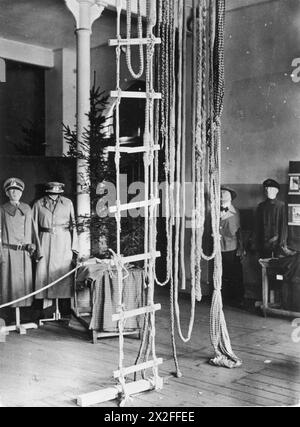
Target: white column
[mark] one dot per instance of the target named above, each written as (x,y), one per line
(85,13)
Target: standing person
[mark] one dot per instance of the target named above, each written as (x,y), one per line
(19,242)
(55,220)
(232,248)
(271,223)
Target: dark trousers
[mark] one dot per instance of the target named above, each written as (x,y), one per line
(232,279)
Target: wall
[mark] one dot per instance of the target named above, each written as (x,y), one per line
(21,103)
(261,115)
(35,172)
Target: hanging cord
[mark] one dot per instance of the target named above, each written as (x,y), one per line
(177,228)
(140,35)
(50,285)
(123,397)
(148,339)
(224,355)
(182,89)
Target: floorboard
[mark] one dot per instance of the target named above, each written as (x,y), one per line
(51,366)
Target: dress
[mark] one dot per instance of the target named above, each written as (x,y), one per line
(232,279)
(17,228)
(271,228)
(55,222)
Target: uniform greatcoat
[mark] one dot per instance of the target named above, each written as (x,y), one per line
(55,221)
(16,228)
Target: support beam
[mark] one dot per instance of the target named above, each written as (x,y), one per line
(26,53)
(85,13)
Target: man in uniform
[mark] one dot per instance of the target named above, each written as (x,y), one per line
(55,220)
(19,242)
(232,248)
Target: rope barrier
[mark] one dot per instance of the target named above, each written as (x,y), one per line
(42,289)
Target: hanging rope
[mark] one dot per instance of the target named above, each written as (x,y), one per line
(207,90)
(140,35)
(224,355)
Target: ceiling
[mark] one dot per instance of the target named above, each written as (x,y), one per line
(48,23)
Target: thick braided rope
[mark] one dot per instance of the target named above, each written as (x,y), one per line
(140,35)
(218,329)
(163,86)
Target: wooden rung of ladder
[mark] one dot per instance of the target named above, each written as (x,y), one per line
(136,312)
(134,95)
(138,368)
(113,393)
(133,41)
(135,205)
(141,257)
(133,150)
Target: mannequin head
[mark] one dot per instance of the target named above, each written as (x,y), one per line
(271,192)
(271,188)
(226,198)
(54,189)
(14,195)
(14,188)
(227,195)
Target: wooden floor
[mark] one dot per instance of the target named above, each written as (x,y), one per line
(53,365)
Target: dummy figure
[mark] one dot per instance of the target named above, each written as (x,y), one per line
(271,223)
(55,220)
(19,243)
(232,249)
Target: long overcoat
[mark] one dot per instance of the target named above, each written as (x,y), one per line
(58,236)
(16,228)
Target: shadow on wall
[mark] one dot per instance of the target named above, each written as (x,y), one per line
(35,171)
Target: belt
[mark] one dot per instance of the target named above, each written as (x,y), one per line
(20,247)
(53,229)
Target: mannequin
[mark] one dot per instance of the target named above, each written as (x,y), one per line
(271,223)
(232,248)
(19,242)
(55,219)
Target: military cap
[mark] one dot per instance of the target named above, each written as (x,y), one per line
(271,183)
(16,183)
(231,191)
(54,187)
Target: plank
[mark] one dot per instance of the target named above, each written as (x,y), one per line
(139,367)
(112,393)
(134,41)
(270,387)
(135,205)
(134,95)
(140,257)
(136,312)
(132,150)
